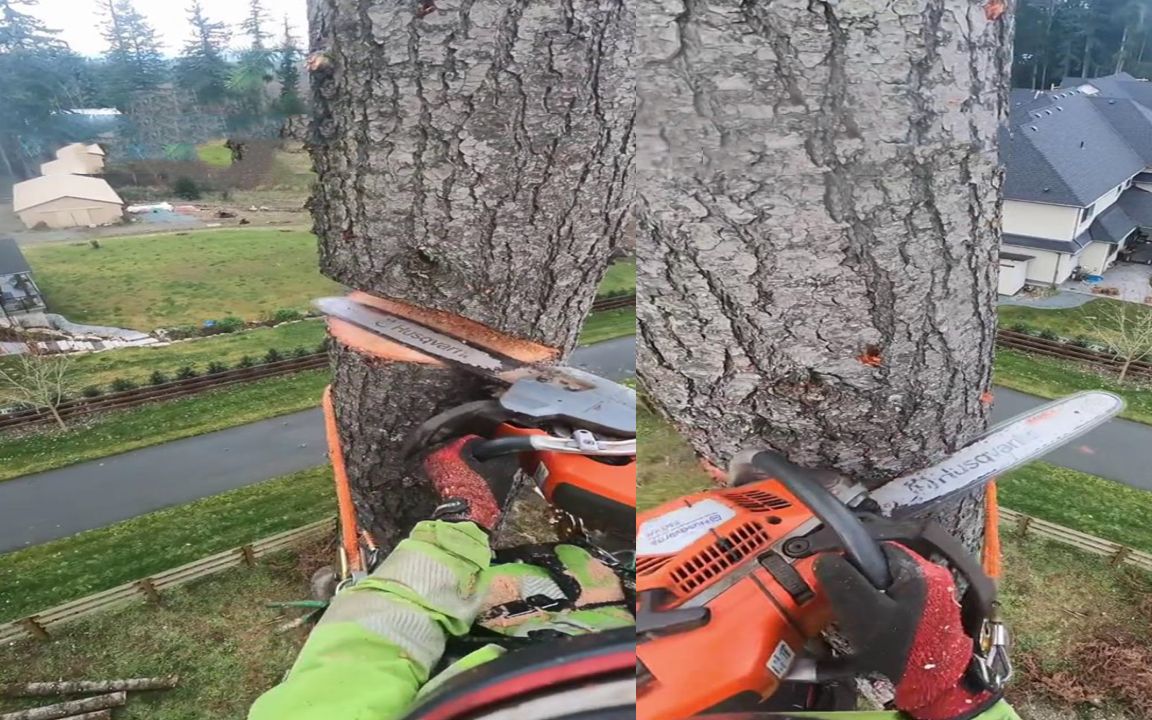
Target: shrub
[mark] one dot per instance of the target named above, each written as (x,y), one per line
(122,384)
(92,391)
(273,355)
(1021,328)
(300,351)
(186,189)
(246,362)
(1049,335)
(183,331)
(1083,342)
(186,373)
(158,378)
(94,243)
(216,367)
(323,346)
(286,315)
(229,324)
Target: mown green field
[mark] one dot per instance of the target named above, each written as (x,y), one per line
(157,281)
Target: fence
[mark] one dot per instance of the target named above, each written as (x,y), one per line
(40,625)
(1118,554)
(1053,348)
(166,391)
(181,388)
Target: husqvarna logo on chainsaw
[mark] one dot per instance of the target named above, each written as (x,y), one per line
(674,531)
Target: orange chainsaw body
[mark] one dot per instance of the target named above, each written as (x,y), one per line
(719,549)
(589,488)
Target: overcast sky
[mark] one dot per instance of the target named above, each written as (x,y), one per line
(79,20)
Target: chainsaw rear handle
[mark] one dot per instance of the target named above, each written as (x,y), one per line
(859,546)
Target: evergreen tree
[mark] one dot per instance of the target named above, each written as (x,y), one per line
(40,80)
(254,25)
(288,72)
(134,60)
(202,68)
(21,31)
(1056,39)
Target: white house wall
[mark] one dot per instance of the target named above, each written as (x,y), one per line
(1097,257)
(1102,203)
(1013,274)
(1055,222)
(1045,267)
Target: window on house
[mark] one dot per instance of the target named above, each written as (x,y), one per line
(1086,213)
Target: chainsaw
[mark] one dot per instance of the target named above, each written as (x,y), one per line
(573,433)
(728,604)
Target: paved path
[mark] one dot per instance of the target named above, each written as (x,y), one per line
(1119,450)
(1060,300)
(54,504)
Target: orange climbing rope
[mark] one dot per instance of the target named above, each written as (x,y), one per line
(991,533)
(349,540)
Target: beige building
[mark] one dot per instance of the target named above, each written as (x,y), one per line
(76,159)
(66,201)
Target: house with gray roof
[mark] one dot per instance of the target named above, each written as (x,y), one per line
(1078,178)
(18,291)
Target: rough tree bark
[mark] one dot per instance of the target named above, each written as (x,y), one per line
(474,157)
(819,206)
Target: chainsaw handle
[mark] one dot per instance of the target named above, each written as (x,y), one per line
(859,546)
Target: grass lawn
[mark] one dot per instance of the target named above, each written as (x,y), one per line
(214,153)
(607,325)
(47,575)
(158,423)
(164,280)
(1083,502)
(621,277)
(1068,323)
(1053,378)
(216,634)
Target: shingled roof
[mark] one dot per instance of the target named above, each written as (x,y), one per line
(1068,148)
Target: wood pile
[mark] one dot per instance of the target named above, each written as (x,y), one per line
(103,697)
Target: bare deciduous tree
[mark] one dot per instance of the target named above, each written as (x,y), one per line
(1126,328)
(37,379)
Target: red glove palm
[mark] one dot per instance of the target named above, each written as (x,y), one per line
(911,633)
(458,476)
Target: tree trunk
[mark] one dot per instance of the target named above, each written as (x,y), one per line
(1124,368)
(473,157)
(10,171)
(819,229)
(70,687)
(56,416)
(1085,57)
(1043,84)
(1122,50)
(66,709)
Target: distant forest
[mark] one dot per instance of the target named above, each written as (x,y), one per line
(167,105)
(211,89)
(1085,38)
